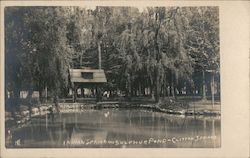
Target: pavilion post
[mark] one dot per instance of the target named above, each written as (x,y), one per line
(97,94)
(74,93)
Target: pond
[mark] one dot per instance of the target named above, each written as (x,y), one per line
(116,128)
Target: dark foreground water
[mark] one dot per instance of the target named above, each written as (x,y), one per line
(116,128)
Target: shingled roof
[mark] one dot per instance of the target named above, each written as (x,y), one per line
(87,76)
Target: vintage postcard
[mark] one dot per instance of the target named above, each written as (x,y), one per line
(124,79)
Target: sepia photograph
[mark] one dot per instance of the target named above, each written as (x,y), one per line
(102,78)
(112,77)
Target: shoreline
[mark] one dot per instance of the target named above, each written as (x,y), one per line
(191,110)
(23,117)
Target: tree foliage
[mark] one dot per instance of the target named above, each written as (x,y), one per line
(158,48)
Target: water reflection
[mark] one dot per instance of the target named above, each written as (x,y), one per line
(117,128)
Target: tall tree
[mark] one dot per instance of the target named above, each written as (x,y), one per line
(203,40)
(43,53)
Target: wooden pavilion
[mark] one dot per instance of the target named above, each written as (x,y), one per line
(87,78)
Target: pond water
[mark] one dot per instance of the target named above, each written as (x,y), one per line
(116,128)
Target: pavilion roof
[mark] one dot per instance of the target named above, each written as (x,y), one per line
(87,75)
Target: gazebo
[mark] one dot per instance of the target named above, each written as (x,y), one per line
(87,78)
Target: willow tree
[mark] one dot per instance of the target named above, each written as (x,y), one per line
(203,40)
(44,55)
(78,30)
(153,19)
(14,32)
(180,62)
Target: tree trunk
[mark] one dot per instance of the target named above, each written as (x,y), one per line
(175,93)
(172,85)
(99,54)
(157,97)
(217,88)
(157,87)
(162,91)
(14,102)
(41,95)
(212,89)
(140,89)
(167,91)
(203,86)
(46,94)
(143,89)
(56,102)
(81,56)
(129,88)
(152,93)
(16,98)
(29,97)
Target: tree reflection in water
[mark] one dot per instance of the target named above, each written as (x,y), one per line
(116,124)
